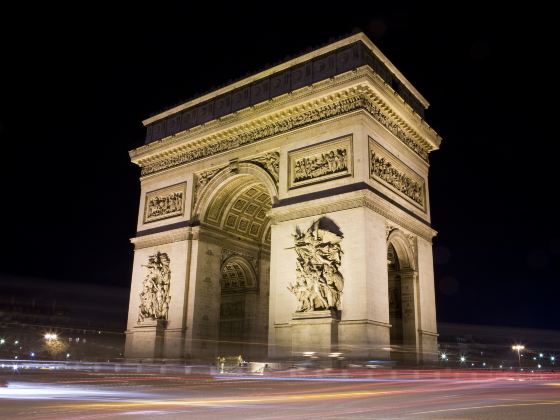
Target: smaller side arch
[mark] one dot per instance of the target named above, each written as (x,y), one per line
(237,275)
(403,248)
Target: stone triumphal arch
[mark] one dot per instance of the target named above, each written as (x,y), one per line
(288,212)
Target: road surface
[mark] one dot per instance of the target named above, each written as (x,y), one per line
(294,394)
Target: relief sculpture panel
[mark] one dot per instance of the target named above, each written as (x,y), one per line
(318,163)
(319,282)
(164,203)
(154,298)
(387,169)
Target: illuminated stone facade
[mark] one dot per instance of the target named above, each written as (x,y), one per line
(292,209)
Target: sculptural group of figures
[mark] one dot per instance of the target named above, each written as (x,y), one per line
(383,169)
(154,298)
(318,283)
(316,166)
(165,204)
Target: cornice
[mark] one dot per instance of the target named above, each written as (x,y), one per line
(430,333)
(364,321)
(362,198)
(359,89)
(161,238)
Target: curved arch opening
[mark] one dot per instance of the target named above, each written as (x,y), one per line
(233,219)
(239,207)
(237,275)
(402,298)
(238,301)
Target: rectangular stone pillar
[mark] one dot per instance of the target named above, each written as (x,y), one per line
(203,306)
(410,315)
(175,245)
(426,303)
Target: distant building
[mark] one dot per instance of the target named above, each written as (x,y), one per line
(87,320)
(492,346)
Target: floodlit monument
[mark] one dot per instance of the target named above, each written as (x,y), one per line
(287,213)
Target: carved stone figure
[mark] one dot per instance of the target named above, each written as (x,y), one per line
(270,162)
(201,180)
(154,298)
(319,282)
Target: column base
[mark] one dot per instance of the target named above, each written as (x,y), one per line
(315,331)
(145,340)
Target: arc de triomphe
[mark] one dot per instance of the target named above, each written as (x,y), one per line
(288,212)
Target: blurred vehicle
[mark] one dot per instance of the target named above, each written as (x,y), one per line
(307,364)
(380,364)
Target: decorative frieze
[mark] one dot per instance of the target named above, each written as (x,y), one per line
(164,203)
(319,282)
(154,298)
(318,163)
(390,171)
(313,114)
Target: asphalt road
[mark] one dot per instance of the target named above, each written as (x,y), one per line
(301,394)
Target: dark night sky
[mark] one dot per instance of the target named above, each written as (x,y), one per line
(75,89)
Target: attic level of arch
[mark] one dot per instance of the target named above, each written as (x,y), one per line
(322,67)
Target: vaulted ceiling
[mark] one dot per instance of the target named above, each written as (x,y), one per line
(240,208)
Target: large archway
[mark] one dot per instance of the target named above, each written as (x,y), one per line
(233,215)
(238,305)
(402,290)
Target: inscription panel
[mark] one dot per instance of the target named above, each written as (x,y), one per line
(328,160)
(164,203)
(387,169)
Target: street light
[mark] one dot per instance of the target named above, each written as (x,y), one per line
(518,347)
